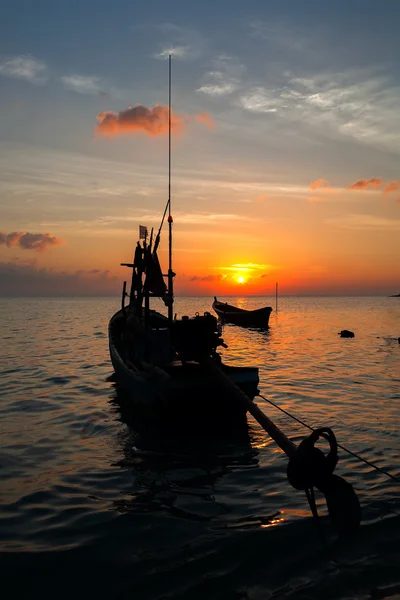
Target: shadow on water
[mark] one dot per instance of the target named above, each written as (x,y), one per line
(177,472)
(178,476)
(187,429)
(232,328)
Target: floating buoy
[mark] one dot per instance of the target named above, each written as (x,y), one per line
(346,333)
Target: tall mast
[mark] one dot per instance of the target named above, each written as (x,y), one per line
(170,220)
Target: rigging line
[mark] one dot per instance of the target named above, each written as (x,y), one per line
(364,460)
(163,218)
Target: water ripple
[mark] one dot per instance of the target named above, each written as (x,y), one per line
(92,508)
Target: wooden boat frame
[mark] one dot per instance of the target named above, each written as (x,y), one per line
(227,313)
(163,363)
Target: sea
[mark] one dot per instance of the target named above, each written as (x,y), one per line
(90,509)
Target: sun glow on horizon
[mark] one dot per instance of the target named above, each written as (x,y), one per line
(240,279)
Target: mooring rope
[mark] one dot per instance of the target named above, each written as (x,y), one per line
(364,460)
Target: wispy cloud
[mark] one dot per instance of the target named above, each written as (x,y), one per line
(356,104)
(252,270)
(224,78)
(175,51)
(363,221)
(218,277)
(319,183)
(210,219)
(261,100)
(393,186)
(29,241)
(181,43)
(82,84)
(320,186)
(25,67)
(150,216)
(245,267)
(206,119)
(280,35)
(219,87)
(69,179)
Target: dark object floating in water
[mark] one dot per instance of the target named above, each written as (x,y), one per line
(345,333)
(239,316)
(395,296)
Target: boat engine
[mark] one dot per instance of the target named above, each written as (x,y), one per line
(197,337)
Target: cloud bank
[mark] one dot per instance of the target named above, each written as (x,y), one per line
(29,241)
(28,279)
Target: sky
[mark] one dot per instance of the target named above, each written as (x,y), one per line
(285,144)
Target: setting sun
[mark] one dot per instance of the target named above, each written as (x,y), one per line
(240,279)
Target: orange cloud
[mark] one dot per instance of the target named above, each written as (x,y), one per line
(363,184)
(206,119)
(393,186)
(140,119)
(153,121)
(29,241)
(318,183)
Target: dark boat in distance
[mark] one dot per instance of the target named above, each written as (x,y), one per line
(168,369)
(258,318)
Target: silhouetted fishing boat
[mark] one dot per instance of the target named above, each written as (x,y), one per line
(172,374)
(163,362)
(239,316)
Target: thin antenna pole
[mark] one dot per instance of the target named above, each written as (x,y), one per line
(170,220)
(169,135)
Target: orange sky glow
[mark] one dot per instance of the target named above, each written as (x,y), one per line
(295,235)
(288,184)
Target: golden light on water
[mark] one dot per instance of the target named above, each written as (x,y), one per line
(272,523)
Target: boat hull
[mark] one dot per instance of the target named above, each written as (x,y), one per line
(227,313)
(178,396)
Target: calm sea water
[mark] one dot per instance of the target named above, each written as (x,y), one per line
(90,510)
